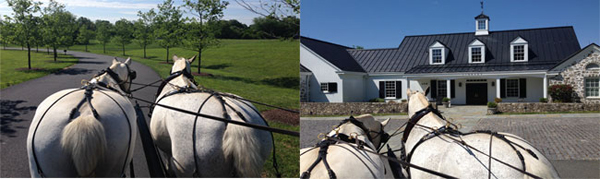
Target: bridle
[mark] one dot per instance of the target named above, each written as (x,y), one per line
(174,75)
(416,117)
(384,137)
(131,75)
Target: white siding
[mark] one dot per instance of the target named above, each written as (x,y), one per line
(354,87)
(322,73)
(534,91)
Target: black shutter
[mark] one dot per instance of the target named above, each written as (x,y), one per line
(433,86)
(523,88)
(502,88)
(381,89)
(452,88)
(332,87)
(398,89)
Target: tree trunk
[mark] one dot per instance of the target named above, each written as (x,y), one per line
(104,47)
(199,59)
(48,50)
(86,47)
(29,56)
(37,48)
(145,50)
(123,46)
(167,54)
(55,55)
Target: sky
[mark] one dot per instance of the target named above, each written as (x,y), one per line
(113,10)
(383,24)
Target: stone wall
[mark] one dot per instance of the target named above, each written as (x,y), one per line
(547,107)
(575,76)
(354,108)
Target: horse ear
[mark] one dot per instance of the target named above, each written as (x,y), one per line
(128,61)
(175,58)
(427,91)
(385,123)
(115,61)
(408,92)
(192,59)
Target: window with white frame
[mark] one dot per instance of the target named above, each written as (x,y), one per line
(476,54)
(592,87)
(592,66)
(390,89)
(481,24)
(442,88)
(325,87)
(436,56)
(519,52)
(512,87)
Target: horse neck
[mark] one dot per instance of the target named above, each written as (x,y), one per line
(349,129)
(176,83)
(429,120)
(106,79)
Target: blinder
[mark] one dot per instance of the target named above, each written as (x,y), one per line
(131,74)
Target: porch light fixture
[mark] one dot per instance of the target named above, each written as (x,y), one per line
(493,83)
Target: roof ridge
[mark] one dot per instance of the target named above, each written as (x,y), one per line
(301,37)
(540,28)
(389,48)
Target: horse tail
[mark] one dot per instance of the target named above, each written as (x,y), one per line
(242,146)
(84,140)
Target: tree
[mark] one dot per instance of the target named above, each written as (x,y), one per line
(270,27)
(276,9)
(7,31)
(168,22)
(84,36)
(104,32)
(123,33)
(23,16)
(143,29)
(59,26)
(200,36)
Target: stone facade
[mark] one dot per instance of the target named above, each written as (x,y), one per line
(348,108)
(547,107)
(575,76)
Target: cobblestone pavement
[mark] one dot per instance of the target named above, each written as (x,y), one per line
(566,138)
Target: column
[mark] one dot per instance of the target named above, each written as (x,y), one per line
(448,91)
(497,87)
(545,86)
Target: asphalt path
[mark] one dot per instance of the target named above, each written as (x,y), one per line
(19,102)
(311,127)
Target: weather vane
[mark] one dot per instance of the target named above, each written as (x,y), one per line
(482,7)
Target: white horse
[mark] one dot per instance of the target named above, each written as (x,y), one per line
(67,138)
(202,147)
(344,160)
(445,155)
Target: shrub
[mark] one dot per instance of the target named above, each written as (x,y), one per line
(404,100)
(446,99)
(543,100)
(492,105)
(563,93)
(497,100)
(377,100)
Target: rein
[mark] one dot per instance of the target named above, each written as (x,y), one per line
(131,75)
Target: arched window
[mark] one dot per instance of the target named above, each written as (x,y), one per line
(592,66)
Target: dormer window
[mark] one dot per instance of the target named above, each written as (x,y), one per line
(518,50)
(481,24)
(437,54)
(476,52)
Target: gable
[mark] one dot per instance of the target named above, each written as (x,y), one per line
(576,57)
(335,54)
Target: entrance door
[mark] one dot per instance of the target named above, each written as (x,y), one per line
(476,93)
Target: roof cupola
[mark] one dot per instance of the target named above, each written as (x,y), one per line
(482,23)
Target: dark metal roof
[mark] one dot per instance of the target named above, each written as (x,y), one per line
(304,69)
(482,16)
(546,46)
(334,53)
(573,54)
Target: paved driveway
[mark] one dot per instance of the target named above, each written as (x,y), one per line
(19,102)
(570,141)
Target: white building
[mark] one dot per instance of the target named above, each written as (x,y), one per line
(471,68)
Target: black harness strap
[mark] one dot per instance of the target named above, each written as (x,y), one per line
(323,147)
(194,136)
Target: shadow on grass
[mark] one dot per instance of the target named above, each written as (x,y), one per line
(58,71)
(11,116)
(217,66)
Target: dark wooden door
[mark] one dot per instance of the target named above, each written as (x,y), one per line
(477,93)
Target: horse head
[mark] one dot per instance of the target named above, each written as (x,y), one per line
(416,100)
(364,127)
(182,66)
(120,73)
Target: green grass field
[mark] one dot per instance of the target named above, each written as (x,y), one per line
(12,63)
(261,70)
